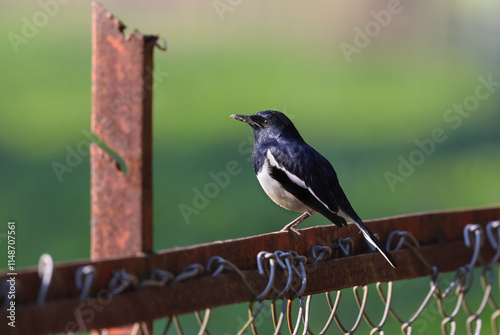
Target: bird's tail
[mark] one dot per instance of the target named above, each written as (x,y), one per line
(373,241)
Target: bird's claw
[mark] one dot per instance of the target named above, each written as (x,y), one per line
(294,233)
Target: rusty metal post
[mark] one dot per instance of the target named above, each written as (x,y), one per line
(122,68)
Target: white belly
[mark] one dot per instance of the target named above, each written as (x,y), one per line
(277,193)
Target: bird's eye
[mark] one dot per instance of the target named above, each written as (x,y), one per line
(266,123)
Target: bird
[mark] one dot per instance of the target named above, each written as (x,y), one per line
(297,177)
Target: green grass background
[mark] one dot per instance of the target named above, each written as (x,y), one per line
(362,115)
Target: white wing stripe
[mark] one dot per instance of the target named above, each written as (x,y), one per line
(294,178)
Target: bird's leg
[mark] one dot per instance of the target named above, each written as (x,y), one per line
(291,226)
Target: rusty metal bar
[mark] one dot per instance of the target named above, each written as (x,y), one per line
(121,196)
(440,235)
(121,117)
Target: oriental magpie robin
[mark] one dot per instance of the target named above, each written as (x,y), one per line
(297,177)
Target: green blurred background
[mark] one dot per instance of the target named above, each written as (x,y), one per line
(363,113)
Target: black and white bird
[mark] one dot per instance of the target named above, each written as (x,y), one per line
(297,177)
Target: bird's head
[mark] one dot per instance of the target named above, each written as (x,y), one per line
(269,124)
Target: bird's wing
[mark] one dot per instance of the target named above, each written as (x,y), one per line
(311,179)
(308,176)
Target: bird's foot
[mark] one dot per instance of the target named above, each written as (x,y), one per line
(294,232)
(291,226)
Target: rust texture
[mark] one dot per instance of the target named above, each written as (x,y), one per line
(121,220)
(121,196)
(440,235)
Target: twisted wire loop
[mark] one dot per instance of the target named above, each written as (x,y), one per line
(189,272)
(158,278)
(45,270)
(346,245)
(287,268)
(321,253)
(300,260)
(121,281)
(84,277)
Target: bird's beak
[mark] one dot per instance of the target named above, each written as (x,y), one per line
(242,118)
(246,119)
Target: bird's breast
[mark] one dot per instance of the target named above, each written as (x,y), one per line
(276,192)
